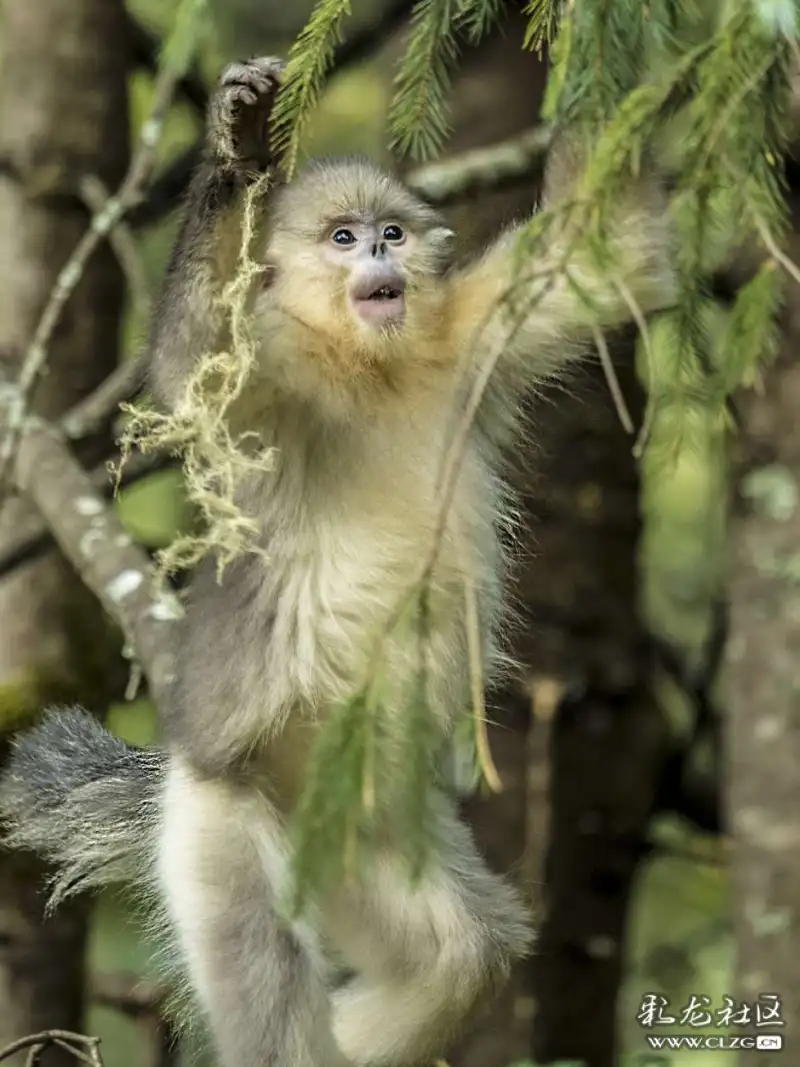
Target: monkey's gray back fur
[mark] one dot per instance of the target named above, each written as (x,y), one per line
(84,800)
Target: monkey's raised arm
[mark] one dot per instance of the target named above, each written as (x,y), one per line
(534,335)
(187,322)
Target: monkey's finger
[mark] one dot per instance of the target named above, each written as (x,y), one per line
(272,67)
(263,76)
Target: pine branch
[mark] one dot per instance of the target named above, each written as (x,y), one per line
(310,60)
(418,118)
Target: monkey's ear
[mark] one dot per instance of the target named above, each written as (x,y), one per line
(440,240)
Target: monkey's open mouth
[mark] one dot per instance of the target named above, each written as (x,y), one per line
(383,304)
(385,293)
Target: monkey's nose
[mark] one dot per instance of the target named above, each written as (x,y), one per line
(379,249)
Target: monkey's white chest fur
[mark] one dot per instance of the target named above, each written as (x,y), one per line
(349,517)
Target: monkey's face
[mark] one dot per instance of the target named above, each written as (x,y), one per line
(353,250)
(372,255)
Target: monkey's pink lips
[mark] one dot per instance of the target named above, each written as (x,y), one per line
(384,305)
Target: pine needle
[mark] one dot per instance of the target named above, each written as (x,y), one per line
(418,118)
(310,59)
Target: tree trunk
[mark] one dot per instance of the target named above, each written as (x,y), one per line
(63,114)
(762,697)
(598,737)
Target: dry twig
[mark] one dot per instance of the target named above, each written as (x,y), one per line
(84,1049)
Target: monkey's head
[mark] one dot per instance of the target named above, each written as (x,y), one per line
(354,251)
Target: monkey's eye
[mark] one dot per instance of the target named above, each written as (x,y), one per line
(343,236)
(393,233)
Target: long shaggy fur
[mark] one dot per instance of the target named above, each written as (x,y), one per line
(84,801)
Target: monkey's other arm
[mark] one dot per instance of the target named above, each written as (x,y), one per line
(548,316)
(187,321)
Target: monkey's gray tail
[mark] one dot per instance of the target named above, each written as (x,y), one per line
(83,800)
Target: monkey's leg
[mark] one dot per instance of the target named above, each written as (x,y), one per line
(222,860)
(424,953)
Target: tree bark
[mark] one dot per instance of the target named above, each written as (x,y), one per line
(762,696)
(602,744)
(63,114)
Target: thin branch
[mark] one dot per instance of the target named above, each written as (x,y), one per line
(481,169)
(94,411)
(124,245)
(613,381)
(167,189)
(127,993)
(639,318)
(771,246)
(546,694)
(73,1043)
(485,761)
(33,539)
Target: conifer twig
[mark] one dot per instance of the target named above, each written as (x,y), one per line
(612,381)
